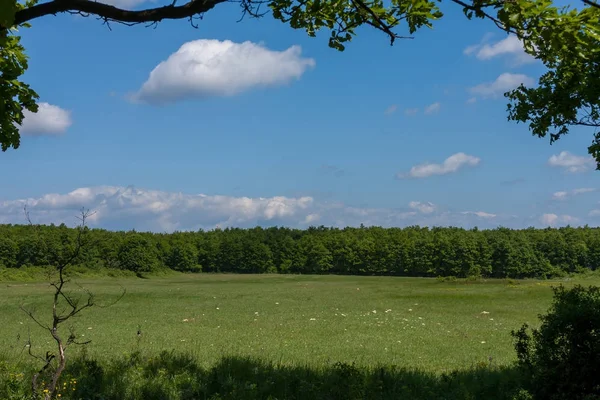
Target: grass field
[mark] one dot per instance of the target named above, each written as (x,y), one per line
(294,320)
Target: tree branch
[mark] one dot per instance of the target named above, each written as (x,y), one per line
(111,13)
(591,3)
(479,8)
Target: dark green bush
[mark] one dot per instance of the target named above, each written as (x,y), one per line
(177,376)
(563,355)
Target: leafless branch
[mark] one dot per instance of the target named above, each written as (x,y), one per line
(72,306)
(32,316)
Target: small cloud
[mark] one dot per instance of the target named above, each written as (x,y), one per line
(480,214)
(411,111)
(205,68)
(471,100)
(504,83)
(48,120)
(571,163)
(563,195)
(560,195)
(583,190)
(310,218)
(594,213)
(432,108)
(549,219)
(425,208)
(471,49)
(391,109)
(511,46)
(553,219)
(450,165)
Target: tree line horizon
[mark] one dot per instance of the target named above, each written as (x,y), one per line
(412,251)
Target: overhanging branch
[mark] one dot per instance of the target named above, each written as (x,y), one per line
(113,13)
(591,3)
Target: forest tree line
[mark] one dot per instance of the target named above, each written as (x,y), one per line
(412,251)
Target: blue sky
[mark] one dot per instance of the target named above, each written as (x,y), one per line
(272,134)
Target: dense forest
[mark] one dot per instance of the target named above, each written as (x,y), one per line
(412,251)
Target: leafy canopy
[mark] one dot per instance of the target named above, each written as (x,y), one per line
(565,40)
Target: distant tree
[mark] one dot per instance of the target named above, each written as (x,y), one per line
(183,257)
(138,254)
(8,252)
(566,41)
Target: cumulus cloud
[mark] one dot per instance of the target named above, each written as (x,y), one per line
(48,120)
(571,162)
(563,195)
(312,218)
(432,108)
(126,208)
(553,219)
(425,208)
(560,195)
(511,46)
(450,165)
(503,83)
(204,68)
(480,214)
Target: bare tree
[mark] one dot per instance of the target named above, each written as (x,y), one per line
(65,305)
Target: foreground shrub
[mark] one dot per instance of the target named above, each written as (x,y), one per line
(563,355)
(177,376)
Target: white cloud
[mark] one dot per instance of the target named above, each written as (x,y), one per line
(504,83)
(391,109)
(471,49)
(572,163)
(450,165)
(471,100)
(311,218)
(594,213)
(553,219)
(48,120)
(411,111)
(511,45)
(480,214)
(563,195)
(425,208)
(560,195)
(432,108)
(152,210)
(204,68)
(583,190)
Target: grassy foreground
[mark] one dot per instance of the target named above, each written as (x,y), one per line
(308,321)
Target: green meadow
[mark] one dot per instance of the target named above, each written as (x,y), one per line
(309,321)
